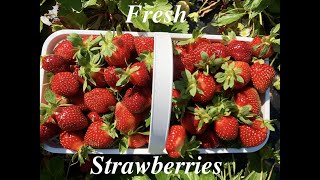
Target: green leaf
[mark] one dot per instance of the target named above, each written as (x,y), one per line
(148,120)
(50,96)
(75,20)
(204,55)
(137,23)
(180,27)
(209,176)
(123,144)
(56,166)
(228,17)
(43,1)
(142,177)
(88,3)
(41,25)
(163,176)
(275,29)
(159,6)
(67,6)
(123,5)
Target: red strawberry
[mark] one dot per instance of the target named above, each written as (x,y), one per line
(137,140)
(196,40)
(137,99)
(252,135)
(209,139)
(190,123)
(86,37)
(175,140)
(65,84)
(99,100)
(144,44)
(207,85)
(137,74)
(226,128)
(72,140)
(78,100)
(236,75)
(128,39)
(99,135)
(220,50)
(125,120)
(208,48)
(65,50)
(55,63)
(110,76)
(175,95)
(261,48)
(94,116)
(114,50)
(70,118)
(239,50)
(248,96)
(262,76)
(48,129)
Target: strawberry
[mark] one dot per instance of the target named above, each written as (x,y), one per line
(55,63)
(65,84)
(125,120)
(209,139)
(207,85)
(175,140)
(175,95)
(262,76)
(94,116)
(137,140)
(254,134)
(182,62)
(208,48)
(147,59)
(220,50)
(65,50)
(177,144)
(72,140)
(128,40)
(196,40)
(48,129)
(236,75)
(226,128)
(78,100)
(99,135)
(99,100)
(89,60)
(114,50)
(248,96)
(137,74)
(239,50)
(261,48)
(137,99)
(70,118)
(144,44)
(110,76)
(191,122)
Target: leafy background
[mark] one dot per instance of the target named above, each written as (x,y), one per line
(246,17)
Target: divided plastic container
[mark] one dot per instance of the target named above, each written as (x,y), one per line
(161,93)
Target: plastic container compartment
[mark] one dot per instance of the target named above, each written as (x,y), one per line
(161,93)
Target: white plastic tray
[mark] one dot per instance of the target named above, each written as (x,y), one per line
(161,93)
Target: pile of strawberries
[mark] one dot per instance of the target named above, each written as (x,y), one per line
(99,92)
(216,91)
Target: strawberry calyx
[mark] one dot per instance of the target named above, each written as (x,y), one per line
(196,33)
(107,45)
(110,128)
(228,38)
(245,114)
(47,110)
(147,58)
(210,64)
(189,147)
(266,123)
(229,76)
(82,154)
(201,115)
(125,75)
